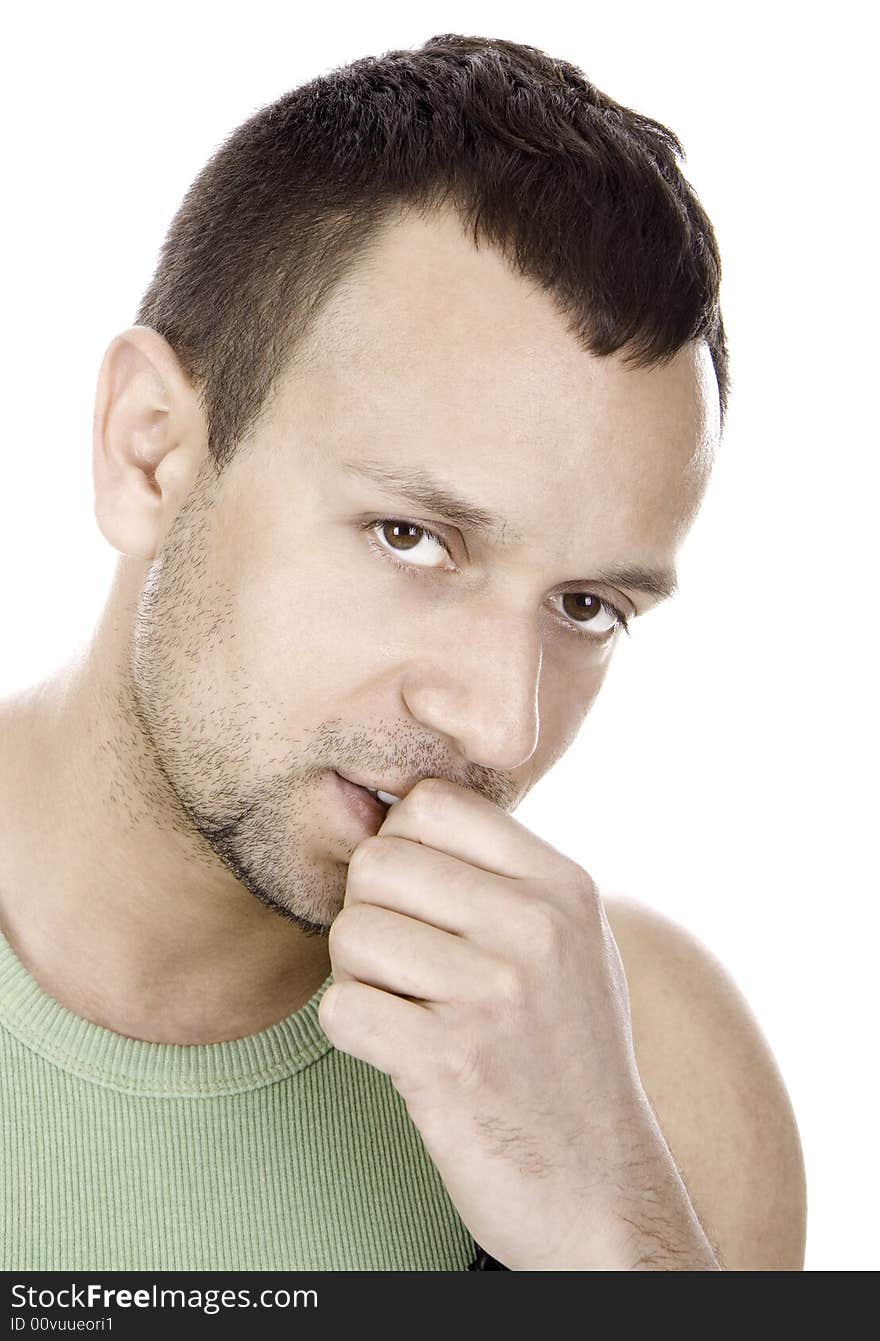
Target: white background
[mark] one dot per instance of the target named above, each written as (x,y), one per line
(727,772)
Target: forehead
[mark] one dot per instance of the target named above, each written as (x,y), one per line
(436,352)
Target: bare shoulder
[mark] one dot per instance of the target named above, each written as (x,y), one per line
(716,1090)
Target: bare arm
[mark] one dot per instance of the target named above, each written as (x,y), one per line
(716,1091)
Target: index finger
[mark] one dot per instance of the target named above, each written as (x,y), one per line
(468,826)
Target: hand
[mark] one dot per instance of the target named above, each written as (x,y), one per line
(474,965)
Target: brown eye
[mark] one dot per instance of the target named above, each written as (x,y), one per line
(400,537)
(404,535)
(596,617)
(590,617)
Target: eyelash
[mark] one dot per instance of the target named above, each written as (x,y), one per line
(415,571)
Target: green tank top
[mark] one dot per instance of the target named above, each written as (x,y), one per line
(271,1152)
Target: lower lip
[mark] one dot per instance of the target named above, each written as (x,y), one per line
(362,804)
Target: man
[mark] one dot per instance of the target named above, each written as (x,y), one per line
(417,410)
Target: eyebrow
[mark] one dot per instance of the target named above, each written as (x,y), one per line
(438,496)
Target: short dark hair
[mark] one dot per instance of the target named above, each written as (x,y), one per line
(579,193)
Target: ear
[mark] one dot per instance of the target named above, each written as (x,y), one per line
(149,436)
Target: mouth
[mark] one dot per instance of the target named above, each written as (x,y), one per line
(369,804)
(387,799)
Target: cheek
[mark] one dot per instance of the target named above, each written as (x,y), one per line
(568,690)
(307,635)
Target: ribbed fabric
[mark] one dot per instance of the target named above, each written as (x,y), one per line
(271,1152)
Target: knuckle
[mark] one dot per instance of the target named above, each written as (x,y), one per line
(366,856)
(335,934)
(463,1062)
(546,931)
(328,1008)
(429,795)
(337,1007)
(347,924)
(508,985)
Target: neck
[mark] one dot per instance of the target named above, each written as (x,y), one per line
(115,904)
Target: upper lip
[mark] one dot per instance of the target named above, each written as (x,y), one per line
(394,789)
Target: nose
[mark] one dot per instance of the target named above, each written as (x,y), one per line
(478,685)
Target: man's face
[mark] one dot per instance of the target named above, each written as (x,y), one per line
(298,620)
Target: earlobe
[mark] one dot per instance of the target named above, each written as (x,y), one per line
(143,461)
